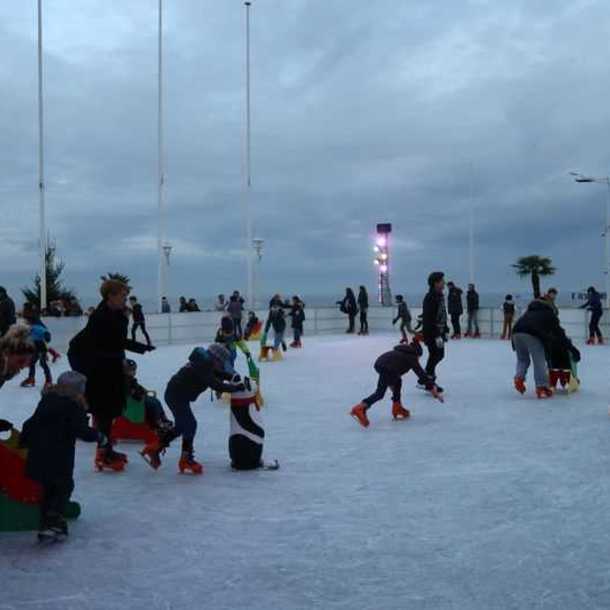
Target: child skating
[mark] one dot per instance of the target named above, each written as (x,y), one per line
(391,366)
(404,315)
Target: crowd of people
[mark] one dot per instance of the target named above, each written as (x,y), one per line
(102,379)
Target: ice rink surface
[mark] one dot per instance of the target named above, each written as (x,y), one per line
(489,501)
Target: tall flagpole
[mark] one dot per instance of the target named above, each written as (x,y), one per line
(471,228)
(160,167)
(41,184)
(248,172)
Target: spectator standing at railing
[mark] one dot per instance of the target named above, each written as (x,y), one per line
(349,307)
(235,309)
(456,309)
(509,314)
(7,311)
(594,305)
(165,306)
(472,307)
(183,305)
(192,306)
(363,304)
(221,303)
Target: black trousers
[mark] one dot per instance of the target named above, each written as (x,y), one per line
(455,322)
(40,355)
(352,322)
(142,326)
(55,497)
(435,355)
(364,321)
(237,326)
(386,380)
(594,330)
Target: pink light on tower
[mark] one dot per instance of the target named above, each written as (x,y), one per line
(382,260)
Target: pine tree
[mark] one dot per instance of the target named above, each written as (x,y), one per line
(55,287)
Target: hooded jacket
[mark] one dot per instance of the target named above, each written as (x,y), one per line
(401,360)
(540,320)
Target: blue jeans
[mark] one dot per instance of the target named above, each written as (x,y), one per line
(278,338)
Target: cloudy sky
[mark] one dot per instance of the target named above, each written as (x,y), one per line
(363,112)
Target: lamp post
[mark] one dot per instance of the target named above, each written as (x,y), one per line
(248,171)
(41,183)
(581,178)
(257,244)
(382,260)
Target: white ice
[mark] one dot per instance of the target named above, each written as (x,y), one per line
(491,500)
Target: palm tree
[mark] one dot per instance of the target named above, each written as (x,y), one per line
(536,266)
(121,277)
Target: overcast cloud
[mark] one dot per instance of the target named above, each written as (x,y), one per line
(363,112)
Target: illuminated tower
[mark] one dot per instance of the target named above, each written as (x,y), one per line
(382,260)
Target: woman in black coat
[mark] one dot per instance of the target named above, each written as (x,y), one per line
(348,306)
(363,304)
(98,352)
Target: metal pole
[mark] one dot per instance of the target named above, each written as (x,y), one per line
(160,167)
(41,183)
(248,173)
(607,246)
(471,227)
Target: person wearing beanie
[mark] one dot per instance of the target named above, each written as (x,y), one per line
(594,305)
(235,309)
(297,316)
(508,309)
(390,367)
(472,306)
(434,322)
(456,309)
(7,311)
(50,436)
(98,352)
(206,368)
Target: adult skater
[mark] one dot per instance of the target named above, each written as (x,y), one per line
(205,369)
(235,309)
(297,316)
(472,307)
(139,321)
(276,320)
(349,307)
(363,305)
(434,322)
(594,305)
(7,311)
(536,334)
(98,352)
(391,366)
(41,337)
(16,352)
(404,315)
(508,309)
(456,309)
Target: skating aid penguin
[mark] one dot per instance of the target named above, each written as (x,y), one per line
(247,434)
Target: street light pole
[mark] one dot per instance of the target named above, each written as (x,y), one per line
(161,289)
(41,183)
(580,178)
(248,172)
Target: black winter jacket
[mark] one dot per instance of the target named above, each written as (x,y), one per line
(276,320)
(7,314)
(540,321)
(363,300)
(434,316)
(472,301)
(98,352)
(50,436)
(297,314)
(454,302)
(401,360)
(137,313)
(348,305)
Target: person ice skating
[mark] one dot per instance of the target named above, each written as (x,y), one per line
(404,315)
(562,360)
(349,307)
(363,305)
(98,352)
(50,436)
(551,297)
(235,309)
(16,352)
(41,337)
(253,326)
(139,321)
(206,368)
(594,305)
(391,366)
(536,334)
(276,320)
(472,307)
(7,311)
(508,309)
(434,322)
(455,308)
(297,315)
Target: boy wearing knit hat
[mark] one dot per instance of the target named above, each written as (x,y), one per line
(50,436)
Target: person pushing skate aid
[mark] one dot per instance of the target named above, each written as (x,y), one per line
(391,366)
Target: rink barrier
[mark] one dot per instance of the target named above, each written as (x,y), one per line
(183,328)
